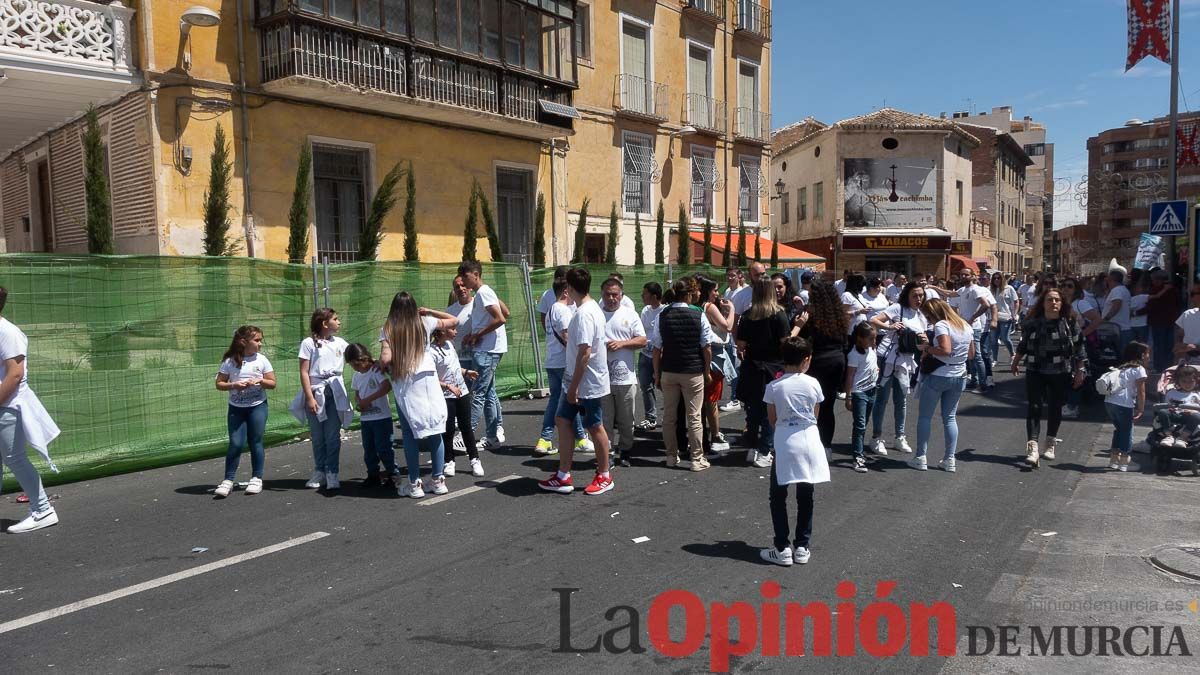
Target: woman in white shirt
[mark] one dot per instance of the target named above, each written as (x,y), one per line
(897,366)
(874,298)
(1006,303)
(852,301)
(953,345)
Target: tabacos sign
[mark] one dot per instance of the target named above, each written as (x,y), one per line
(930,243)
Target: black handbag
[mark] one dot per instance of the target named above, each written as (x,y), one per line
(930,363)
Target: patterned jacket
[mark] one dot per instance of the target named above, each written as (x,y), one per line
(1051,345)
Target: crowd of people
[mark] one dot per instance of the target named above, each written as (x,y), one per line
(784,355)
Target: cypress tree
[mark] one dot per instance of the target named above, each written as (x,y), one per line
(298,215)
(581,233)
(757,251)
(489,225)
(708,250)
(685,237)
(216,198)
(610,256)
(95,185)
(774,254)
(539,232)
(384,201)
(741,250)
(411,253)
(639,253)
(728,258)
(471,228)
(659,236)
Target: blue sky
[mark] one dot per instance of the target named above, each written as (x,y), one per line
(1060,61)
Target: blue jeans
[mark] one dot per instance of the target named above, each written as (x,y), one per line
(896,387)
(936,389)
(1163,346)
(556,392)
(12,455)
(413,447)
(377,446)
(1000,336)
(246,426)
(484,400)
(860,407)
(326,437)
(646,382)
(731,354)
(980,367)
(758,422)
(1122,419)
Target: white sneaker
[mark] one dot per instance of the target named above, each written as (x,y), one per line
(438,486)
(1070,411)
(801,555)
(841,396)
(224,488)
(332,482)
(860,464)
(782,558)
(1031,453)
(415,490)
(36,521)
(1048,453)
(990,382)
(585,446)
(762,461)
(476,467)
(448,470)
(482,444)
(901,444)
(719,443)
(314,481)
(731,406)
(499,435)
(458,445)
(919,463)
(880,447)
(948,464)
(254,486)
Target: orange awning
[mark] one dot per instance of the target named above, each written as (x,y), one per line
(787,254)
(958,262)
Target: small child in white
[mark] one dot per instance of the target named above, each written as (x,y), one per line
(1180,420)
(862,376)
(792,404)
(247,375)
(1126,403)
(371,389)
(323,402)
(453,378)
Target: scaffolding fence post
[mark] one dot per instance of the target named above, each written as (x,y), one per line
(316,296)
(326,289)
(527,286)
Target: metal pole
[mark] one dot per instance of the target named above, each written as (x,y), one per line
(1173,173)
(316,296)
(326,281)
(670,277)
(527,286)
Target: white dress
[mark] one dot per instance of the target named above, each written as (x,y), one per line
(799,453)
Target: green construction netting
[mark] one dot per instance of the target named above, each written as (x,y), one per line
(123,350)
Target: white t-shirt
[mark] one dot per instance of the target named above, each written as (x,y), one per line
(803,296)
(1005,302)
(546,301)
(557,320)
(326,361)
(799,454)
(911,318)
(960,348)
(650,320)
(253,368)
(463,313)
(1126,392)
(853,303)
(1121,318)
(13,343)
(365,384)
(877,304)
(893,292)
(741,300)
(627,303)
(730,291)
(840,286)
(1189,398)
(1084,305)
(866,369)
(1189,321)
(623,324)
(1028,293)
(449,368)
(794,395)
(931,294)
(1135,303)
(496,341)
(587,328)
(969,299)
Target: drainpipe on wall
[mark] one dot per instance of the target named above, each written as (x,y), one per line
(247,215)
(553,206)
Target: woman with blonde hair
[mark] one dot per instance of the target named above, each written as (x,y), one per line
(944,377)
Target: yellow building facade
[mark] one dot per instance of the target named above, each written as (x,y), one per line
(522,97)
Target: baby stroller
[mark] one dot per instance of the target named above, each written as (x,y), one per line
(1103,351)
(1166,447)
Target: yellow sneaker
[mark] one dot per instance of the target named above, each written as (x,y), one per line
(544,447)
(584,445)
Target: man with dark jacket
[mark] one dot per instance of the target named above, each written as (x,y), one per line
(681,370)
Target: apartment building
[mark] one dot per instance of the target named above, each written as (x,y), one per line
(675,104)
(889,191)
(1000,236)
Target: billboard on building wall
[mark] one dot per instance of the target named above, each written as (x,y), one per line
(900,192)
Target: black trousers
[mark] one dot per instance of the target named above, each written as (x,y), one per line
(1048,393)
(779,514)
(458,417)
(829,371)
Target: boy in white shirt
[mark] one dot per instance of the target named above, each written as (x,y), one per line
(585,384)
(624,332)
(488,339)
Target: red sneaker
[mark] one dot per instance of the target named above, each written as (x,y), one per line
(599,485)
(562,486)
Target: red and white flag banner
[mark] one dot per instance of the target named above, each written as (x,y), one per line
(1187,138)
(1149,31)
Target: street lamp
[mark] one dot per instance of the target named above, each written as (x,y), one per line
(198,16)
(687,130)
(779,188)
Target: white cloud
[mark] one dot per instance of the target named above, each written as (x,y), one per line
(1147,68)
(1059,105)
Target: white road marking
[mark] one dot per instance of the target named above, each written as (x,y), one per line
(487,485)
(155,583)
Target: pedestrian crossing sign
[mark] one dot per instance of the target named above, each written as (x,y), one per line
(1168,217)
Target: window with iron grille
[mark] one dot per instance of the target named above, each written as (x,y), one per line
(750,189)
(802,204)
(340,182)
(784,208)
(639,168)
(704,180)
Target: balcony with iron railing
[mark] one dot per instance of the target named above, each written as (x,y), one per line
(753,20)
(705,113)
(753,125)
(314,59)
(72,33)
(639,97)
(710,11)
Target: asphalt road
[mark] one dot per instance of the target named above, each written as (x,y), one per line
(469,582)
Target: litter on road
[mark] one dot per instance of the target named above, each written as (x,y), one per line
(641,540)
(1049,534)
(199,549)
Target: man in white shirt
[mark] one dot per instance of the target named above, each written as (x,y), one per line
(1027,293)
(548,297)
(1117,304)
(840,284)
(977,306)
(487,337)
(624,334)
(893,291)
(652,300)
(585,384)
(736,281)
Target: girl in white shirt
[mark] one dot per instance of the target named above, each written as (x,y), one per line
(862,376)
(898,367)
(371,389)
(323,401)
(452,378)
(247,375)
(1126,403)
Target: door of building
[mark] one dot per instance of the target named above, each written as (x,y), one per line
(883,267)
(514,210)
(40,239)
